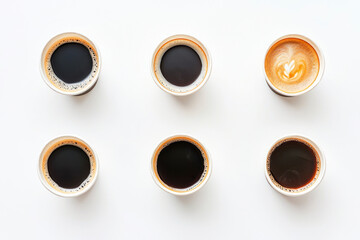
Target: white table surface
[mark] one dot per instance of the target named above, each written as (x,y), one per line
(236,116)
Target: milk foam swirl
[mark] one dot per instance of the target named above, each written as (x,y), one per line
(288,69)
(292,65)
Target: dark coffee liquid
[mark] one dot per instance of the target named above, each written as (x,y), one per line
(180,164)
(181,65)
(293,164)
(71,62)
(68,166)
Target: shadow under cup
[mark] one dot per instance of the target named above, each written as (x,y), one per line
(187,41)
(207,166)
(301,164)
(43,167)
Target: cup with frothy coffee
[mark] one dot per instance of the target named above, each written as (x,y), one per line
(293,65)
(68,166)
(70,64)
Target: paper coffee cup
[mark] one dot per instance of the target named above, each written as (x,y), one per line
(46,178)
(292,65)
(314,182)
(189,189)
(181,40)
(59,85)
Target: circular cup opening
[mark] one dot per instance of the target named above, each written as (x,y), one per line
(169,43)
(181,191)
(50,184)
(57,84)
(320,168)
(317,79)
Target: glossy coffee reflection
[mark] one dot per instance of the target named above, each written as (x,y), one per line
(294,165)
(181,65)
(180,165)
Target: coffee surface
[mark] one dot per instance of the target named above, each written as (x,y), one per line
(292,65)
(180,164)
(71,62)
(181,65)
(293,164)
(68,166)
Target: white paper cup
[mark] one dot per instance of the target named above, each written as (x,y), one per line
(320,169)
(53,81)
(199,184)
(316,81)
(44,174)
(198,47)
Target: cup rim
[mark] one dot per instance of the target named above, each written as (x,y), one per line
(179,193)
(47,81)
(316,183)
(52,190)
(206,52)
(318,77)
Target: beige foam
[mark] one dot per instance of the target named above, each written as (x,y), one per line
(292,65)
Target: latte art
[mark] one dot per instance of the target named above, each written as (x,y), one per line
(287,71)
(292,65)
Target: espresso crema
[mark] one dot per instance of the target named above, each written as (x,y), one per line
(70,64)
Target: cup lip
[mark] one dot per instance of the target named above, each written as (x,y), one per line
(47,81)
(321,174)
(321,66)
(206,78)
(52,190)
(201,185)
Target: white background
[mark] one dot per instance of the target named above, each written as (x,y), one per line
(236,116)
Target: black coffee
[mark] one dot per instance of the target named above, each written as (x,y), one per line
(180,164)
(68,166)
(181,65)
(71,62)
(293,164)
